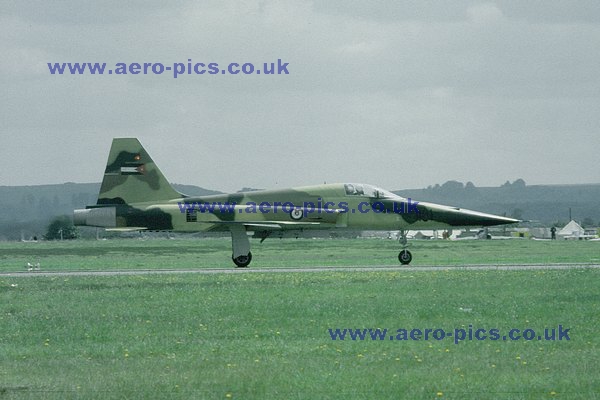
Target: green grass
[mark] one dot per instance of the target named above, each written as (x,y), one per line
(266,335)
(216,253)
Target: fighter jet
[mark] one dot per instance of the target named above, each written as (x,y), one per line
(135,196)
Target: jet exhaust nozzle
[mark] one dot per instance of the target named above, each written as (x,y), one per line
(105,217)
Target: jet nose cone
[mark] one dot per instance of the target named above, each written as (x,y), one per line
(490,219)
(462,217)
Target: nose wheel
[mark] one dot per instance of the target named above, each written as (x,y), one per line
(405,257)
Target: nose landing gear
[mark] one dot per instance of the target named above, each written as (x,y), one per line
(405,257)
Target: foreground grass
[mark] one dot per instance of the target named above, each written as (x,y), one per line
(266,336)
(216,253)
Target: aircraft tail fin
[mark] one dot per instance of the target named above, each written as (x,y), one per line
(132,177)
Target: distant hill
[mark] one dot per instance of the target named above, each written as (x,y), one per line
(192,190)
(27,210)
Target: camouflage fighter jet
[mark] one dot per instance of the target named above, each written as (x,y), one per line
(135,196)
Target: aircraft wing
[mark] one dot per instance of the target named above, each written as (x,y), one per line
(127,229)
(271,225)
(318,220)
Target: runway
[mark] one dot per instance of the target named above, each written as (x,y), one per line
(258,270)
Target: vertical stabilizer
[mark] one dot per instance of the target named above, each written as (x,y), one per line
(132,177)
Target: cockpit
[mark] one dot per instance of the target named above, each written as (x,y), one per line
(361,189)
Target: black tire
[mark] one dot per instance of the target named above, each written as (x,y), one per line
(404,257)
(242,261)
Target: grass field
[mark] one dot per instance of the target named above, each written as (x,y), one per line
(266,335)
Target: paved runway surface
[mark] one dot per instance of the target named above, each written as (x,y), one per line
(256,270)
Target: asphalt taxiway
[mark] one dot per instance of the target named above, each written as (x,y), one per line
(258,270)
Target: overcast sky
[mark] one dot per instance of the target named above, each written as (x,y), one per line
(400,94)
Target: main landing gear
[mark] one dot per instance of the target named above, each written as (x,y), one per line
(242,261)
(240,246)
(405,257)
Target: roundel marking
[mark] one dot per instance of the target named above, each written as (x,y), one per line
(296,214)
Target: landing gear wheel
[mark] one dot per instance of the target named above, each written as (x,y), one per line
(405,257)
(242,261)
